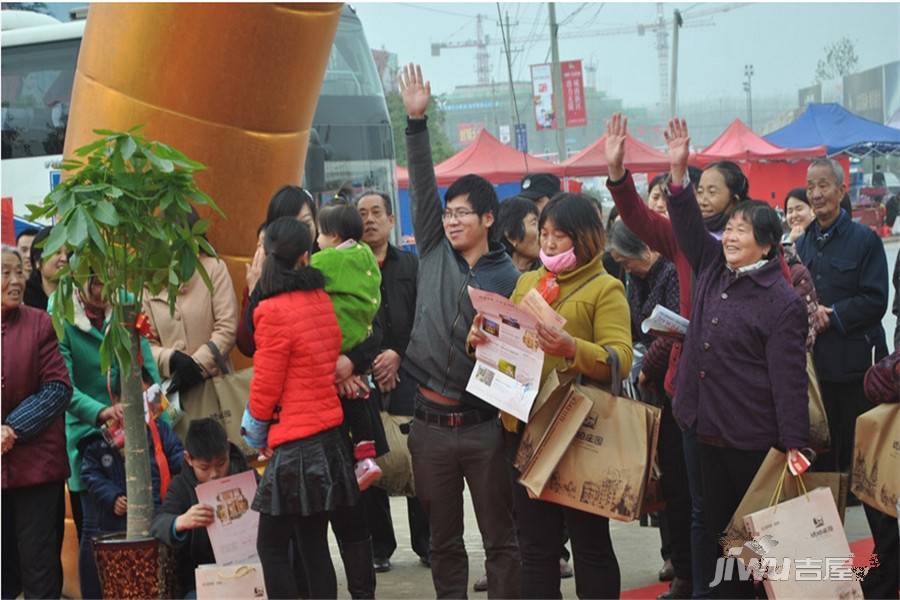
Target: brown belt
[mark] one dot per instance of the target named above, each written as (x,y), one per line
(438,398)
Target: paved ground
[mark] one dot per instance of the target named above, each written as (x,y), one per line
(637,549)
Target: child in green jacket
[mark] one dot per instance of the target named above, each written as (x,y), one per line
(353,281)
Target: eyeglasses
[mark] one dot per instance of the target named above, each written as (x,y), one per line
(459,214)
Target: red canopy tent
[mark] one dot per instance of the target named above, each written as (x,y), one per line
(772,170)
(489,157)
(639,158)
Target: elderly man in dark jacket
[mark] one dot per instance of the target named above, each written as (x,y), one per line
(395,389)
(849,268)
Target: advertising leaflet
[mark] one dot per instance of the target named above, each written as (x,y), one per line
(507,371)
(233,533)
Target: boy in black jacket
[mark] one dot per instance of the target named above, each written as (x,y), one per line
(182,520)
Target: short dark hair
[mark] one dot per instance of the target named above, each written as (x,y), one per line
(576,215)
(737,183)
(509,225)
(341,219)
(482,195)
(799,194)
(286,240)
(388,204)
(206,439)
(27,231)
(767,227)
(623,241)
(288,202)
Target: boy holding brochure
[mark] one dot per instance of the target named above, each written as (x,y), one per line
(182,520)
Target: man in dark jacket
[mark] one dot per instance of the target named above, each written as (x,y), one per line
(455,437)
(395,390)
(849,268)
(182,521)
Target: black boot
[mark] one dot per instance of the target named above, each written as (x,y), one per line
(680,588)
(357,558)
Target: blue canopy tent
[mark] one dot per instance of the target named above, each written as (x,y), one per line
(838,129)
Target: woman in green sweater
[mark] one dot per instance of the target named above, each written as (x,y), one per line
(91,405)
(573,281)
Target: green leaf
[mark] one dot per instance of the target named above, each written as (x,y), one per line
(106,213)
(114,192)
(66,205)
(90,148)
(163,164)
(173,278)
(206,246)
(70,164)
(55,241)
(108,132)
(96,237)
(86,189)
(128,148)
(204,276)
(37,211)
(76,230)
(200,227)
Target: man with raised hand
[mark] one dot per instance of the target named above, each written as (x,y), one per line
(455,438)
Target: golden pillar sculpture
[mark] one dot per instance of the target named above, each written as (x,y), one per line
(234,86)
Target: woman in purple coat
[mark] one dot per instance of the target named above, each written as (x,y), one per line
(36,392)
(742,379)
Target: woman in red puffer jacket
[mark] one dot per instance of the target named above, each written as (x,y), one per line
(295,414)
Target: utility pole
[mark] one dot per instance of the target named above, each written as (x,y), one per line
(748,74)
(558,109)
(677,22)
(513,110)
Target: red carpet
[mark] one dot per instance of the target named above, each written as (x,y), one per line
(861,549)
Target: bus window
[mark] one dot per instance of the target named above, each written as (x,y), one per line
(37,87)
(351,69)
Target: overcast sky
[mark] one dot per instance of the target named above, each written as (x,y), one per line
(782,41)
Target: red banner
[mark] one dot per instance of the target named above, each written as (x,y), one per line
(8,229)
(468,132)
(573,93)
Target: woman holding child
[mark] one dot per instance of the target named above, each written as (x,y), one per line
(294,410)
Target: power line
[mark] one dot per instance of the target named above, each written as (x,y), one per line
(439,10)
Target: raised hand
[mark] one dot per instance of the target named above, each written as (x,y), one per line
(616,132)
(416,92)
(679,143)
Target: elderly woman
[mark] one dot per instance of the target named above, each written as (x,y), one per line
(36,392)
(573,281)
(742,379)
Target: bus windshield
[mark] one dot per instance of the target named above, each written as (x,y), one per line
(37,86)
(351,70)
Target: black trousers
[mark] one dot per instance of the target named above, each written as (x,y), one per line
(310,533)
(843,402)
(726,474)
(676,492)
(884,581)
(540,526)
(378,515)
(31,542)
(77,513)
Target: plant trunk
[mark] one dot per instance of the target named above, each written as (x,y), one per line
(138,487)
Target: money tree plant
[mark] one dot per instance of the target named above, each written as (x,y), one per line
(124,211)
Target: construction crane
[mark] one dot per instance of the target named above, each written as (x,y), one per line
(481,42)
(660,27)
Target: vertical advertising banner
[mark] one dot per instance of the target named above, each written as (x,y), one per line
(505,136)
(573,93)
(542,95)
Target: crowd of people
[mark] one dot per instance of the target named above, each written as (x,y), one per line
(344,328)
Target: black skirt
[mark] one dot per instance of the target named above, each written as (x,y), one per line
(308,476)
